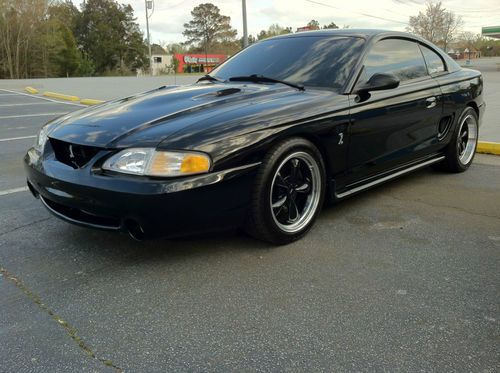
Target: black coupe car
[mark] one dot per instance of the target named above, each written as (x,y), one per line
(264,139)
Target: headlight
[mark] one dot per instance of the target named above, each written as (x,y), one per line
(41,139)
(151,162)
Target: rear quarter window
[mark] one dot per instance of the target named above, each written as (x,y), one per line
(434,62)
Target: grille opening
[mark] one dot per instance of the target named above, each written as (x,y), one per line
(74,155)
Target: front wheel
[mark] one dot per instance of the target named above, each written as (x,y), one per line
(460,152)
(288,192)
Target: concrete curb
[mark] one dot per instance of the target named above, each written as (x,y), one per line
(487,147)
(61,96)
(90,101)
(31,90)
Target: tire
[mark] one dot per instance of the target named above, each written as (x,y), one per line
(459,153)
(288,192)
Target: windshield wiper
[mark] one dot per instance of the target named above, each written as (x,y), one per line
(210,78)
(264,79)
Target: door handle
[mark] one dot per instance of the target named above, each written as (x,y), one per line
(431,102)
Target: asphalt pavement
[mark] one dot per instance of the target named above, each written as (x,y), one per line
(401,278)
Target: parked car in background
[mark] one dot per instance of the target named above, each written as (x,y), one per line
(264,139)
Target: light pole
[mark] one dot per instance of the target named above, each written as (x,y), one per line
(149,5)
(245,31)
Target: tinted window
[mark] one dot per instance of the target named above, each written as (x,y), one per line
(434,62)
(399,57)
(312,61)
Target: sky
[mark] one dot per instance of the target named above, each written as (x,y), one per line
(166,22)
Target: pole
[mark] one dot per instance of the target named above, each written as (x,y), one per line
(149,41)
(245,30)
(205,68)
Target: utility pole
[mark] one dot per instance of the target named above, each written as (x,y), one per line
(148,4)
(245,30)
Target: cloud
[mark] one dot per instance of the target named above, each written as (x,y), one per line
(169,16)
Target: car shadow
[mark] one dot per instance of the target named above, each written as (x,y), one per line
(120,248)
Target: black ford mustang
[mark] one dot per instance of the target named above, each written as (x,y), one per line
(264,139)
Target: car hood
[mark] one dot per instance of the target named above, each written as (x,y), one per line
(166,110)
(149,118)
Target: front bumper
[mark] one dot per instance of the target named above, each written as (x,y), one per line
(149,207)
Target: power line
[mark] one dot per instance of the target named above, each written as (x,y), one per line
(449,7)
(353,11)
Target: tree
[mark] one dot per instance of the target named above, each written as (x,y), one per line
(21,23)
(43,38)
(65,12)
(110,37)
(208,28)
(331,25)
(469,38)
(63,57)
(86,67)
(488,47)
(451,27)
(313,24)
(135,54)
(174,48)
(436,25)
(273,30)
(251,39)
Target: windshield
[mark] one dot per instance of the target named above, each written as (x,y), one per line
(317,61)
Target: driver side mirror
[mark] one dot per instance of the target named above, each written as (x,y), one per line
(378,82)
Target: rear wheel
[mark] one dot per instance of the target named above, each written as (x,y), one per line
(288,192)
(460,152)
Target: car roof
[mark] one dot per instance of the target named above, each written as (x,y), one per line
(360,33)
(368,34)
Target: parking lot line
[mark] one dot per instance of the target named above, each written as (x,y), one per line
(40,98)
(13,190)
(18,138)
(18,128)
(32,115)
(28,103)
(7,94)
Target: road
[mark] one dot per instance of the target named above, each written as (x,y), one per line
(402,278)
(490,68)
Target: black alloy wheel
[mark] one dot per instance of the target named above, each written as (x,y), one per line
(288,192)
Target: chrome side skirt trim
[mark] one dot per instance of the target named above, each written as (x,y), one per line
(388,177)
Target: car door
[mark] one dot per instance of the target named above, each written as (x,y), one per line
(396,126)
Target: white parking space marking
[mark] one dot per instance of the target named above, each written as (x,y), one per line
(27,103)
(18,128)
(18,138)
(13,190)
(40,98)
(32,115)
(7,94)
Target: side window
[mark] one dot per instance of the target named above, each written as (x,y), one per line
(399,57)
(434,63)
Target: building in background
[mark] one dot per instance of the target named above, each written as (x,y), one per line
(198,63)
(304,28)
(491,31)
(162,64)
(460,51)
(161,61)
